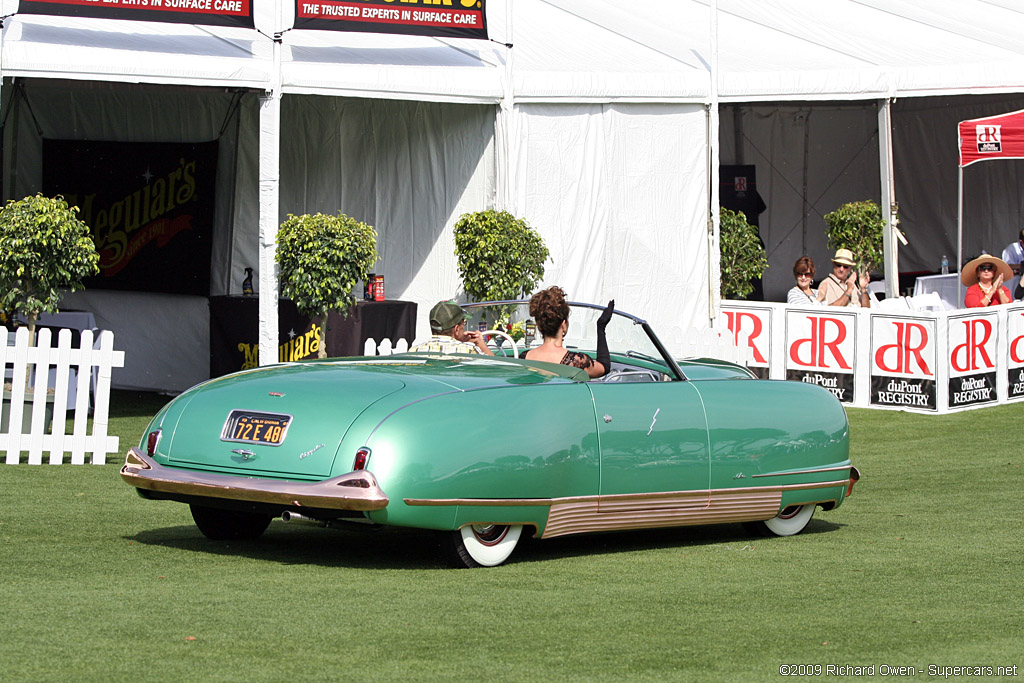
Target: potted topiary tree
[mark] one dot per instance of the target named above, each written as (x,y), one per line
(859,227)
(321,259)
(742,255)
(44,250)
(499,256)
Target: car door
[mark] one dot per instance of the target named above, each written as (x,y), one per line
(653,441)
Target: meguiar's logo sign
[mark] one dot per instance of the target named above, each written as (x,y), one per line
(150,208)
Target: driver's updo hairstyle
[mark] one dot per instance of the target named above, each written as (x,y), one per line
(549,308)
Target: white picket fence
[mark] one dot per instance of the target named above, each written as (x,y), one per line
(718,345)
(53,373)
(696,344)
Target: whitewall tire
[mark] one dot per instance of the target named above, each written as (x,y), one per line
(484,545)
(789,522)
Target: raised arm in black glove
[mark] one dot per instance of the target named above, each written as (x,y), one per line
(602,343)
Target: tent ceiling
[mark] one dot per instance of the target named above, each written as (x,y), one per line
(569,50)
(391,67)
(135,52)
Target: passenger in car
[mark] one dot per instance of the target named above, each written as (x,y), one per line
(448,323)
(551,311)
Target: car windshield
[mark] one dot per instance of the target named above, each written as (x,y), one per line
(628,337)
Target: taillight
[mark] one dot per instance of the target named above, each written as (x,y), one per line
(151,441)
(361,456)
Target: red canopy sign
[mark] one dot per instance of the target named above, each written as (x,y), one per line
(993,137)
(209,12)
(441,18)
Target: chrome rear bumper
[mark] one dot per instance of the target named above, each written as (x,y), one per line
(353,491)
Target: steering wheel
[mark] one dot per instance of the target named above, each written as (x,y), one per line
(491,333)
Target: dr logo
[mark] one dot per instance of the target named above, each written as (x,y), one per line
(972,355)
(822,347)
(737,321)
(907,356)
(989,138)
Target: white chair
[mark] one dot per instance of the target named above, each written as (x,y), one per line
(896,303)
(930,301)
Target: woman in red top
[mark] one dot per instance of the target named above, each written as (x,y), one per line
(984,278)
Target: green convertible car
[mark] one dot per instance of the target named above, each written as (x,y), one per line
(483,447)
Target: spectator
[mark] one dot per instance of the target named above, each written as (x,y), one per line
(984,277)
(803,294)
(841,288)
(1014,256)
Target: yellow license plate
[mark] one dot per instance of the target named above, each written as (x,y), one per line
(247,426)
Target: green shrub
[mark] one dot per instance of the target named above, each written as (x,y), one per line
(743,258)
(859,227)
(500,256)
(44,248)
(321,259)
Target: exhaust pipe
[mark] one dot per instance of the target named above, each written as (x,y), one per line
(290,517)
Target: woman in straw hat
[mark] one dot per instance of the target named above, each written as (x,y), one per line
(984,277)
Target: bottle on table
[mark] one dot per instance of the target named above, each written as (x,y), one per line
(247,282)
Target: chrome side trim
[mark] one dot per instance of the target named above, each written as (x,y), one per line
(353,491)
(580,514)
(575,518)
(820,469)
(660,499)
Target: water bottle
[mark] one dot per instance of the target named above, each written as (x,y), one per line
(945,265)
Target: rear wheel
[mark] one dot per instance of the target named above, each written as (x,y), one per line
(789,522)
(483,545)
(227,525)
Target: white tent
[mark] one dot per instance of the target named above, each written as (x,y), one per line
(593,126)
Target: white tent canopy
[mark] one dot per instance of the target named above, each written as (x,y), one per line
(593,126)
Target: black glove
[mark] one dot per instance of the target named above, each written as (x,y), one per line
(606,315)
(602,343)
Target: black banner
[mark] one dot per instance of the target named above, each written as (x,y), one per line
(839,383)
(234,331)
(972,389)
(149,206)
(209,12)
(441,18)
(903,392)
(1015,382)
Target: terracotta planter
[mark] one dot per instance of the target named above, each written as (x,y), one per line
(26,415)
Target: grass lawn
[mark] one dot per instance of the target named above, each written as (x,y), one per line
(922,566)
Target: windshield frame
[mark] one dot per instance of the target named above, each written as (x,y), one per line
(670,362)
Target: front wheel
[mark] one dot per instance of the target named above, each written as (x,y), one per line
(229,525)
(789,522)
(483,545)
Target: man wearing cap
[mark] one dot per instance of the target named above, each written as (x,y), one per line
(840,288)
(448,323)
(1013,255)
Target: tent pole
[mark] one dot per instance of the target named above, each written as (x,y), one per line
(890,247)
(270,200)
(714,218)
(959,228)
(504,126)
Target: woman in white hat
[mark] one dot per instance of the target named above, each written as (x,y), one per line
(984,277)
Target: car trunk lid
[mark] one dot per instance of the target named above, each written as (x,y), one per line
(279,421)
